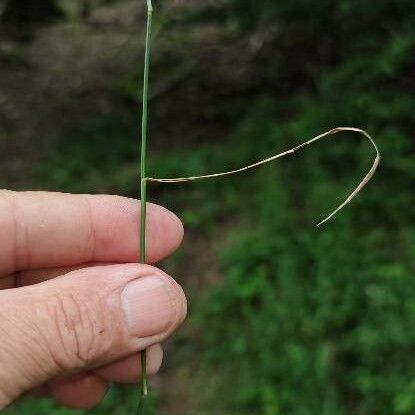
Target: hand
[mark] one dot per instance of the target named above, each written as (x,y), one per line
(69,322)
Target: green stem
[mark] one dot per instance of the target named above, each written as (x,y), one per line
(143,213)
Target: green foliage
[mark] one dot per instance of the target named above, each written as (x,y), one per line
(321,321)
(313,321)
(119,401)
(101,155)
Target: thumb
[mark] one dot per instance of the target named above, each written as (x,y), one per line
(83,320)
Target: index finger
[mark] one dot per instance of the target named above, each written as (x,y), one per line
(42,230)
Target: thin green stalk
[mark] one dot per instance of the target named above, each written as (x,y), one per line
(143,213)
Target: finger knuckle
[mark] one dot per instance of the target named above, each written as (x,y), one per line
(74,343)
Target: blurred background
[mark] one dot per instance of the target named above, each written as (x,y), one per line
(285,318)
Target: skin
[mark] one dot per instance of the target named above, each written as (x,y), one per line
(65,263)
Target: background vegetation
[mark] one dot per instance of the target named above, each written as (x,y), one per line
(285,318)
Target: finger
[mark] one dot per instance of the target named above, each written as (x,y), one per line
(83,320)
(71,391)
(36,276)
(128,370)
(43,230)
(79,392)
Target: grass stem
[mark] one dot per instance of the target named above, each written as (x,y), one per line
(143,210)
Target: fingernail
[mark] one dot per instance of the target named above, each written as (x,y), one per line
(147,306)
